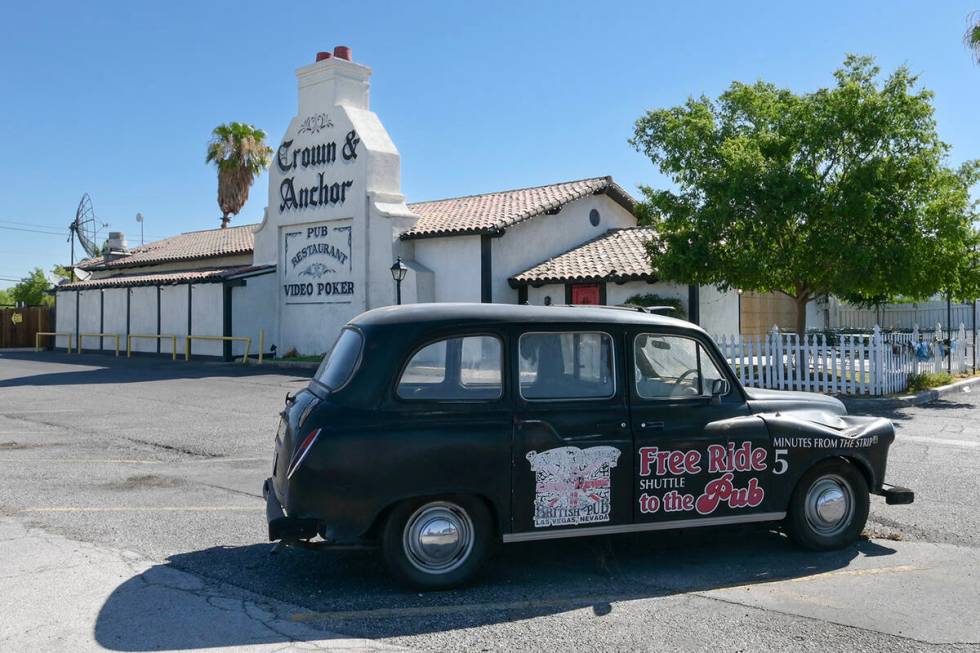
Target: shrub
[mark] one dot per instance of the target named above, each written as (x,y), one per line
(649,299)
(927,380)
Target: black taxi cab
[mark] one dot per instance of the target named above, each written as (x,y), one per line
(438,431)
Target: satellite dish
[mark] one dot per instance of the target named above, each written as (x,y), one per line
(84,228)
(82,274)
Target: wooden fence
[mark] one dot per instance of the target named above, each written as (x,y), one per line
(18,325)
(849,364)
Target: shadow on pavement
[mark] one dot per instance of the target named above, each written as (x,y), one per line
(101,368)
(901,413)
(348,592)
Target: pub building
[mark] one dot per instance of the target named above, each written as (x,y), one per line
(336,222)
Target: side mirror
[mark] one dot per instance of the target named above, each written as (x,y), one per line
(719,388)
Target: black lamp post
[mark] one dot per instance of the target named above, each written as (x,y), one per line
(398,272)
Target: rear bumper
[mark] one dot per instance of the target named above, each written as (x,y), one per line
(895,495)
(281,526)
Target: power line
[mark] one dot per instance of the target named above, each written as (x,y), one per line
(30,224)
(34,231)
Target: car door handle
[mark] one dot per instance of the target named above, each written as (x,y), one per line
(652,426)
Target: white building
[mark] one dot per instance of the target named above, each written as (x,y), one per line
(336,221)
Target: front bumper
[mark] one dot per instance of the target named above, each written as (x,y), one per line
(281,526)
(895,495)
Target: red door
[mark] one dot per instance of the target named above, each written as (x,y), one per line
(586,294)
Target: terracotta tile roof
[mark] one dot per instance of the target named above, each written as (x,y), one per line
(164,278)
(618,254)
(476,214)
(188,246)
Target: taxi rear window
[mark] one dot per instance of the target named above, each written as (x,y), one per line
(338,366)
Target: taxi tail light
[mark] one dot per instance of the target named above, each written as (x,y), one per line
(301,453)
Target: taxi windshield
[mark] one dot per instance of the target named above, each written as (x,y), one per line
(338,365)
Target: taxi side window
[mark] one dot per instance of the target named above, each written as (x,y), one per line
(454,369)
(672,367)
(572,365)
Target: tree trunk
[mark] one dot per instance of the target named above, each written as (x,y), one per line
(802,365)
(224,221)
(801,303)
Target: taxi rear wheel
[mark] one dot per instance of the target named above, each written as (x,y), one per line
(829,506)
(437,543)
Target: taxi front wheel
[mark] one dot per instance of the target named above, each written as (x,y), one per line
(437,544)
(829,506)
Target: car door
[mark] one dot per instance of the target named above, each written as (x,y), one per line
(699,457)
(447,428)
(573,448)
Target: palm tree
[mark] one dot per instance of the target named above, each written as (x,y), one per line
(972,36)
(239,152)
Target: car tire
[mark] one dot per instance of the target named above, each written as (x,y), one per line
(437,544)
(829,506)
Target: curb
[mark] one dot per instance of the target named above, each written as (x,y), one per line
(302,365)
(918,399)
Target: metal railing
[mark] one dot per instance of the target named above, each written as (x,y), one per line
(246,340)
(78,349)
(153,336)
(37,338)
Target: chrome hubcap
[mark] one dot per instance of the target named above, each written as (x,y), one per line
(438,537)
(829,505)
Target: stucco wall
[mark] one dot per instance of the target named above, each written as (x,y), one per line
(143,319)
(173,313)
(719,311)
(65,318)
(536,240)
(89,317)
(253,307)
(207,318)
(615,293)
(455,263)
(114,317)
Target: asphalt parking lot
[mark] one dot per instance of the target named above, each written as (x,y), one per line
(131,519)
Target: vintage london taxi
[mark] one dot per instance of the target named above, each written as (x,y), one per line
(440,430)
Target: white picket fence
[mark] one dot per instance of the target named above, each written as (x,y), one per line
(848,364)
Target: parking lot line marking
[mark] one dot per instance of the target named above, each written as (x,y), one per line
(897,569)
(970,444)
(142,509)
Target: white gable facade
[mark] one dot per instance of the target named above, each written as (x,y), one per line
(334,223)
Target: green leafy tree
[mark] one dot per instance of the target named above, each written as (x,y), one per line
(843,191)
(240,154)
(33,289)
(972,36)
(62,272)
(5,298)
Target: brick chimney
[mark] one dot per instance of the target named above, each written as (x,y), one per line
(333,79)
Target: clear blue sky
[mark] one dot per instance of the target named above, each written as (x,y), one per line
(118,99)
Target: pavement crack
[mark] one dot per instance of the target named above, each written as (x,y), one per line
(175,448)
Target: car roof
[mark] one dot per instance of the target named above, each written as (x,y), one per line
(463,313)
